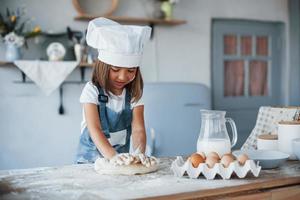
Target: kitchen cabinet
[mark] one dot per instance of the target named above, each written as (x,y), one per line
(172,116)
(134,20)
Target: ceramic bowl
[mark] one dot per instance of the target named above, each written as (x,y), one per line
(267,159)
(296,147)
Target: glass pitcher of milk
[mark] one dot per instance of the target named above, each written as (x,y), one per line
(213,136)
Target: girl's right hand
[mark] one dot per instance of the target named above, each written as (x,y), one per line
(147,161)
(121,159)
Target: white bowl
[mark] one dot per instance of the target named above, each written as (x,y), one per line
(268,159)
(296,147)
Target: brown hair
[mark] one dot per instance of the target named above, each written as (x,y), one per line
(100,78)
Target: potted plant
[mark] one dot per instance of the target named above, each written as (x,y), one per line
(166,8)
(14,32)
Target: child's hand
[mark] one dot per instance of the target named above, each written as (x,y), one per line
(127,159)
(121,159)
(147,161)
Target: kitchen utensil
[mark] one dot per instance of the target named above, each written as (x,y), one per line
(296,147)
(287,131)
(213,136)
(56,51)
(267,159)
(61,109)
(267,142)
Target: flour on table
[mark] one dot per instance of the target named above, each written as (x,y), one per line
(103,166)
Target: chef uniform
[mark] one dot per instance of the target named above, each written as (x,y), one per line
(120,46)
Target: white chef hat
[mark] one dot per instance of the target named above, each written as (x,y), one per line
(118,45)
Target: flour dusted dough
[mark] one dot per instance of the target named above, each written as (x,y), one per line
(102,166)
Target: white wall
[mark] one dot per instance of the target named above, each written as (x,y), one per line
(188,43)
(33,134)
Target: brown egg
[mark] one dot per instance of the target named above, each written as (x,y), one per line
(211,161)
(242,158)
(202,154)
(213,154)
(196,159)
(229,154)
(227,159)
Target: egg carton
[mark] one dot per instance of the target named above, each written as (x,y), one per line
(179,167)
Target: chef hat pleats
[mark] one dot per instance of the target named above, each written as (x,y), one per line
(117,45)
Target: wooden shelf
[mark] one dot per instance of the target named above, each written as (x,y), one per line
(82,64)
(134,20)
(6,63)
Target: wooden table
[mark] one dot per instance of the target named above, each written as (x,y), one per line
(82,182)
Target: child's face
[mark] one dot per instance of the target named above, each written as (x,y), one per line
(119,77)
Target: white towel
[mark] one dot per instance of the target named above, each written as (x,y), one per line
(266,122)
(48,75)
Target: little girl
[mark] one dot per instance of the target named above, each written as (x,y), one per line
(113,111)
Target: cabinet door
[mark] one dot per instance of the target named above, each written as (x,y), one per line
(172,110)
(245,70)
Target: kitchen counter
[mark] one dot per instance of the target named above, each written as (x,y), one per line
(82,182)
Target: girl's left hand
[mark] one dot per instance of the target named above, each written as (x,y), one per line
(127,159)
